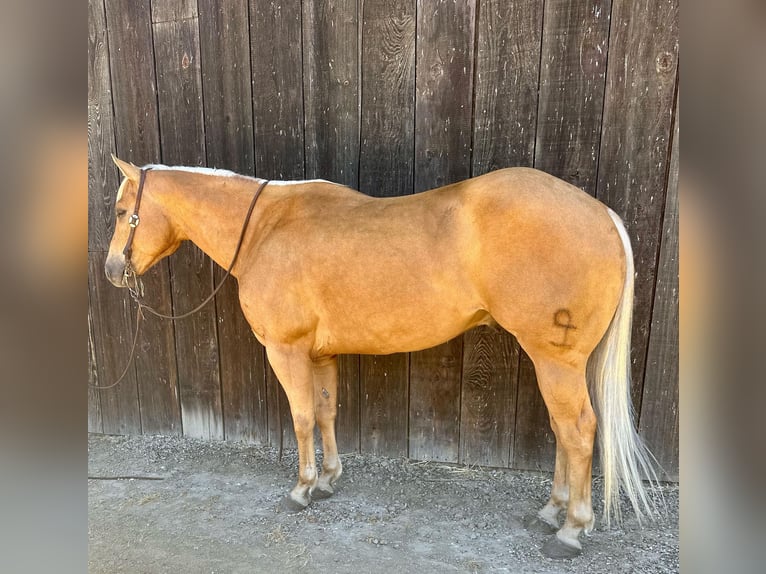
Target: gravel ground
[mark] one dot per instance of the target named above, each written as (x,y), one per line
(214,508)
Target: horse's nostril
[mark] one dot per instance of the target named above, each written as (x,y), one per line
(113,269)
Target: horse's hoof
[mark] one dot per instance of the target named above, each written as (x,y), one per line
(556,549)
(321,494)
(534,523)
(288,504)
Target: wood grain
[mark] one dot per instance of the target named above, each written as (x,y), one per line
(388,98)
(506,83)
(331,90)
(179,82)
(443,92)
(134,92)
(572,75)
(659,407)
(435,402)
(173,10)
(113,328)
(95,420)
(488,401)
(384,404)
(275,43)
(102,175)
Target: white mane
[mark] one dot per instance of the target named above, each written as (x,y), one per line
(195,169)
(227,173)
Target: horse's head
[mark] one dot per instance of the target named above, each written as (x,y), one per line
(154,236)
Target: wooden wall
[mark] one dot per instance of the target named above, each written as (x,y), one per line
(390,97)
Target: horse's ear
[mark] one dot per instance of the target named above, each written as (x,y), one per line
(129,170)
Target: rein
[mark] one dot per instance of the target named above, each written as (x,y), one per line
(136,288)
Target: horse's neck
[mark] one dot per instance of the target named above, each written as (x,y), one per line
(211,214)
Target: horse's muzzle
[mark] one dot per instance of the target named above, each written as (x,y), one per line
(115,271)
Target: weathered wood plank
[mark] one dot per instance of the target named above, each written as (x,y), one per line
(488,402)
(444,86)
(243,370)
(275,41)
(435,402)
(386,170)
(102,177)
(443,99)
(133,81)
(226,77)
(137,139)
(331,90)
(384,404)
(347,423)
(112,316)
(635,145)
(659,407)
(388,98)
(507,77)
(179,82)
(572,76)
(95,421)
(173,10)
(156,368)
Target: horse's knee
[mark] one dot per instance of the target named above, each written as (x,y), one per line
(304,424)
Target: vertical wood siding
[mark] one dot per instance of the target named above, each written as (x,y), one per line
(391,97)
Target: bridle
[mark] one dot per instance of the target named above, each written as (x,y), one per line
(135,286)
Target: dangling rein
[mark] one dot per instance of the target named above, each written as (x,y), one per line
(136,288)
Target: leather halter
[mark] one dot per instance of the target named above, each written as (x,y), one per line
(134,219)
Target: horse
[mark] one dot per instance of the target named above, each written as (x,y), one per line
(325,270)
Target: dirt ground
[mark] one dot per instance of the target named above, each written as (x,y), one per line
(214,508)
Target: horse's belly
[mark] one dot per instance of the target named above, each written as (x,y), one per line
(395,333)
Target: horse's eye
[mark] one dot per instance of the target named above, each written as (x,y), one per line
(120,213)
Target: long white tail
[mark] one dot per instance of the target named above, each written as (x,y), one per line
(624,457)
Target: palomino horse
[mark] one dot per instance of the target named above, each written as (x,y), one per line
(324,270)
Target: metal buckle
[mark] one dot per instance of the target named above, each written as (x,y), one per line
(134,220)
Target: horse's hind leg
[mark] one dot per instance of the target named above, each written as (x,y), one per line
(326,409)
(294,369)
(565,392)
(547,518)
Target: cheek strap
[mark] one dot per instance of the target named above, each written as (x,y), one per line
(134,219)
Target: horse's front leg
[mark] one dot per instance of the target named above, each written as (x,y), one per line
(295,372)
(326,409)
